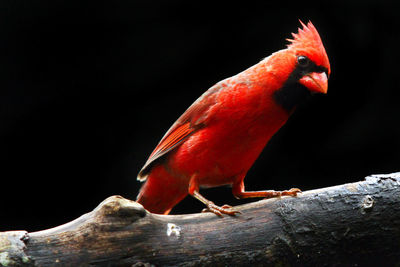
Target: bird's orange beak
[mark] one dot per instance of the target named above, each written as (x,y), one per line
(316,82)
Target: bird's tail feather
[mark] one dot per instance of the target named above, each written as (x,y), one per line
(161,191)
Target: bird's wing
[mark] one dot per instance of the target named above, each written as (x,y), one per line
(194,118)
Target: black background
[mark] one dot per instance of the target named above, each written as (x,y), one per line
(87,91)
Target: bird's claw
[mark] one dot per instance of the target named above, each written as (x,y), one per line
(217,210)
(292,192)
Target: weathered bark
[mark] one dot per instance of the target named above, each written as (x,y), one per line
(357,223)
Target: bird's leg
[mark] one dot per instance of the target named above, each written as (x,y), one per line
(239,192)
(211,207)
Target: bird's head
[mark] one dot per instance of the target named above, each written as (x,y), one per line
(309,61)
(301,69)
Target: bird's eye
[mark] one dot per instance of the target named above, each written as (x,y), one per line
(303,61)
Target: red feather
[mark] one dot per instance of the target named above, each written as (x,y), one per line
(193,119)
(217,140)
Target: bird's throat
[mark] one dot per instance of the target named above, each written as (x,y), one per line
(291,95)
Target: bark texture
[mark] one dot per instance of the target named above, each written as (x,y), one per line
(350,224)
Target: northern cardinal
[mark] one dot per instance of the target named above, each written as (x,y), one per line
(218,138)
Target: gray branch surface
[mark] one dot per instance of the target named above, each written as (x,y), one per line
(350,224)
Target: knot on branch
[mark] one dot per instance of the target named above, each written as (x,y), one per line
(117,208)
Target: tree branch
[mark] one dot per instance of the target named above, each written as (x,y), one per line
(357,223)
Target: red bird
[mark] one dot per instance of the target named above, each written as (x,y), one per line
(218,138)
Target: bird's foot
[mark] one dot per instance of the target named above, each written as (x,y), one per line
(292,192)
(225,209)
